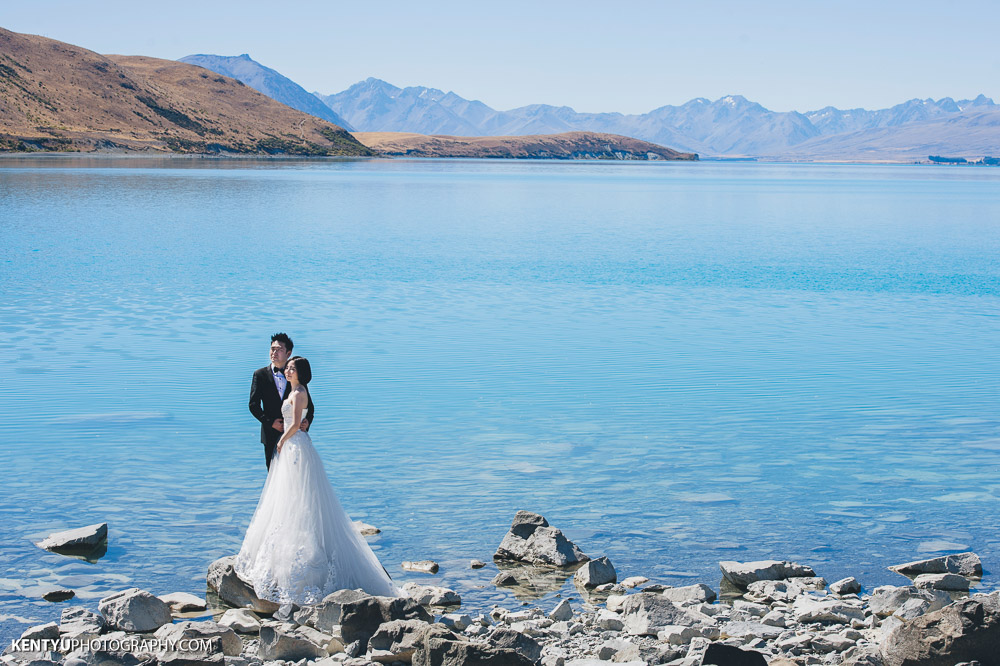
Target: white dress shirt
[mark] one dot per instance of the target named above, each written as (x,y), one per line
(279,381)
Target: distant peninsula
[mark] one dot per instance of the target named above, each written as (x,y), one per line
(565,146)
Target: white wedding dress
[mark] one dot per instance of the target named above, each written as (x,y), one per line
(301,545)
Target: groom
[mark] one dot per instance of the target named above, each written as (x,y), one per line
(268,390)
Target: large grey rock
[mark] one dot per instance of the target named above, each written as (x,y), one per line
(741,574)
(231,589)
(728,655)
(327,642)
(827,611)
(48,631)
(242,620)
(607,620)
(967,630)
(532,539)
(432,595)
(359,620)
(849,585)
(77,540)
(888,599)
(948,582)
(563,611)
(77,621)
(773,591)
(504,637)
(397,640)
(276,643)
(646,613)
(619,650)
(134,610)
(439,650)
(698,592)
(596,572)
(326,614)
(963,564)
(743,629)
(230,642)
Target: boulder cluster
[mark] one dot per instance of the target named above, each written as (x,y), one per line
(771,612)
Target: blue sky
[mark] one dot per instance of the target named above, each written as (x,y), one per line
(631,57)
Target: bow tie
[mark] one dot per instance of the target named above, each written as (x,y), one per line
(278,371)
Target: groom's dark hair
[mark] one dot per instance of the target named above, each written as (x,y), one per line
(283,339)
(302,367)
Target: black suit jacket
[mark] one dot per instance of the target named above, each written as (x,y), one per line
(265,405)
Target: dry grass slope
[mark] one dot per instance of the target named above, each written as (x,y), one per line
(568,146)
(59,97)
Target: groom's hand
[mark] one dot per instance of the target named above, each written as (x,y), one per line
(278,425)
(304,425)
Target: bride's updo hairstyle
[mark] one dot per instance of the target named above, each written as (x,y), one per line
(302,368)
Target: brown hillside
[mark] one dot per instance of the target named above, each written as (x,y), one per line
(56,96)
(567,146)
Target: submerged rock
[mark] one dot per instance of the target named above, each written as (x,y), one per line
(365,529)
(964,564)
(423,566)
(182,602)
(77,541)
(504,579)
(56,596)
(532,539)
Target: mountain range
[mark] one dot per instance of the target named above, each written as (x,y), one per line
(729,126)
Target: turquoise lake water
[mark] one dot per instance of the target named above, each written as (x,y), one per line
(676,364)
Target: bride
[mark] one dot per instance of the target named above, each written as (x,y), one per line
(301,545)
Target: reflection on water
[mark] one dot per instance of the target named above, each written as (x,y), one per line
(675,364)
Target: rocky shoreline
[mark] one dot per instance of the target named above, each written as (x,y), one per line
(770,612)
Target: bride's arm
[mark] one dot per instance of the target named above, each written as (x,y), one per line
(298,402)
